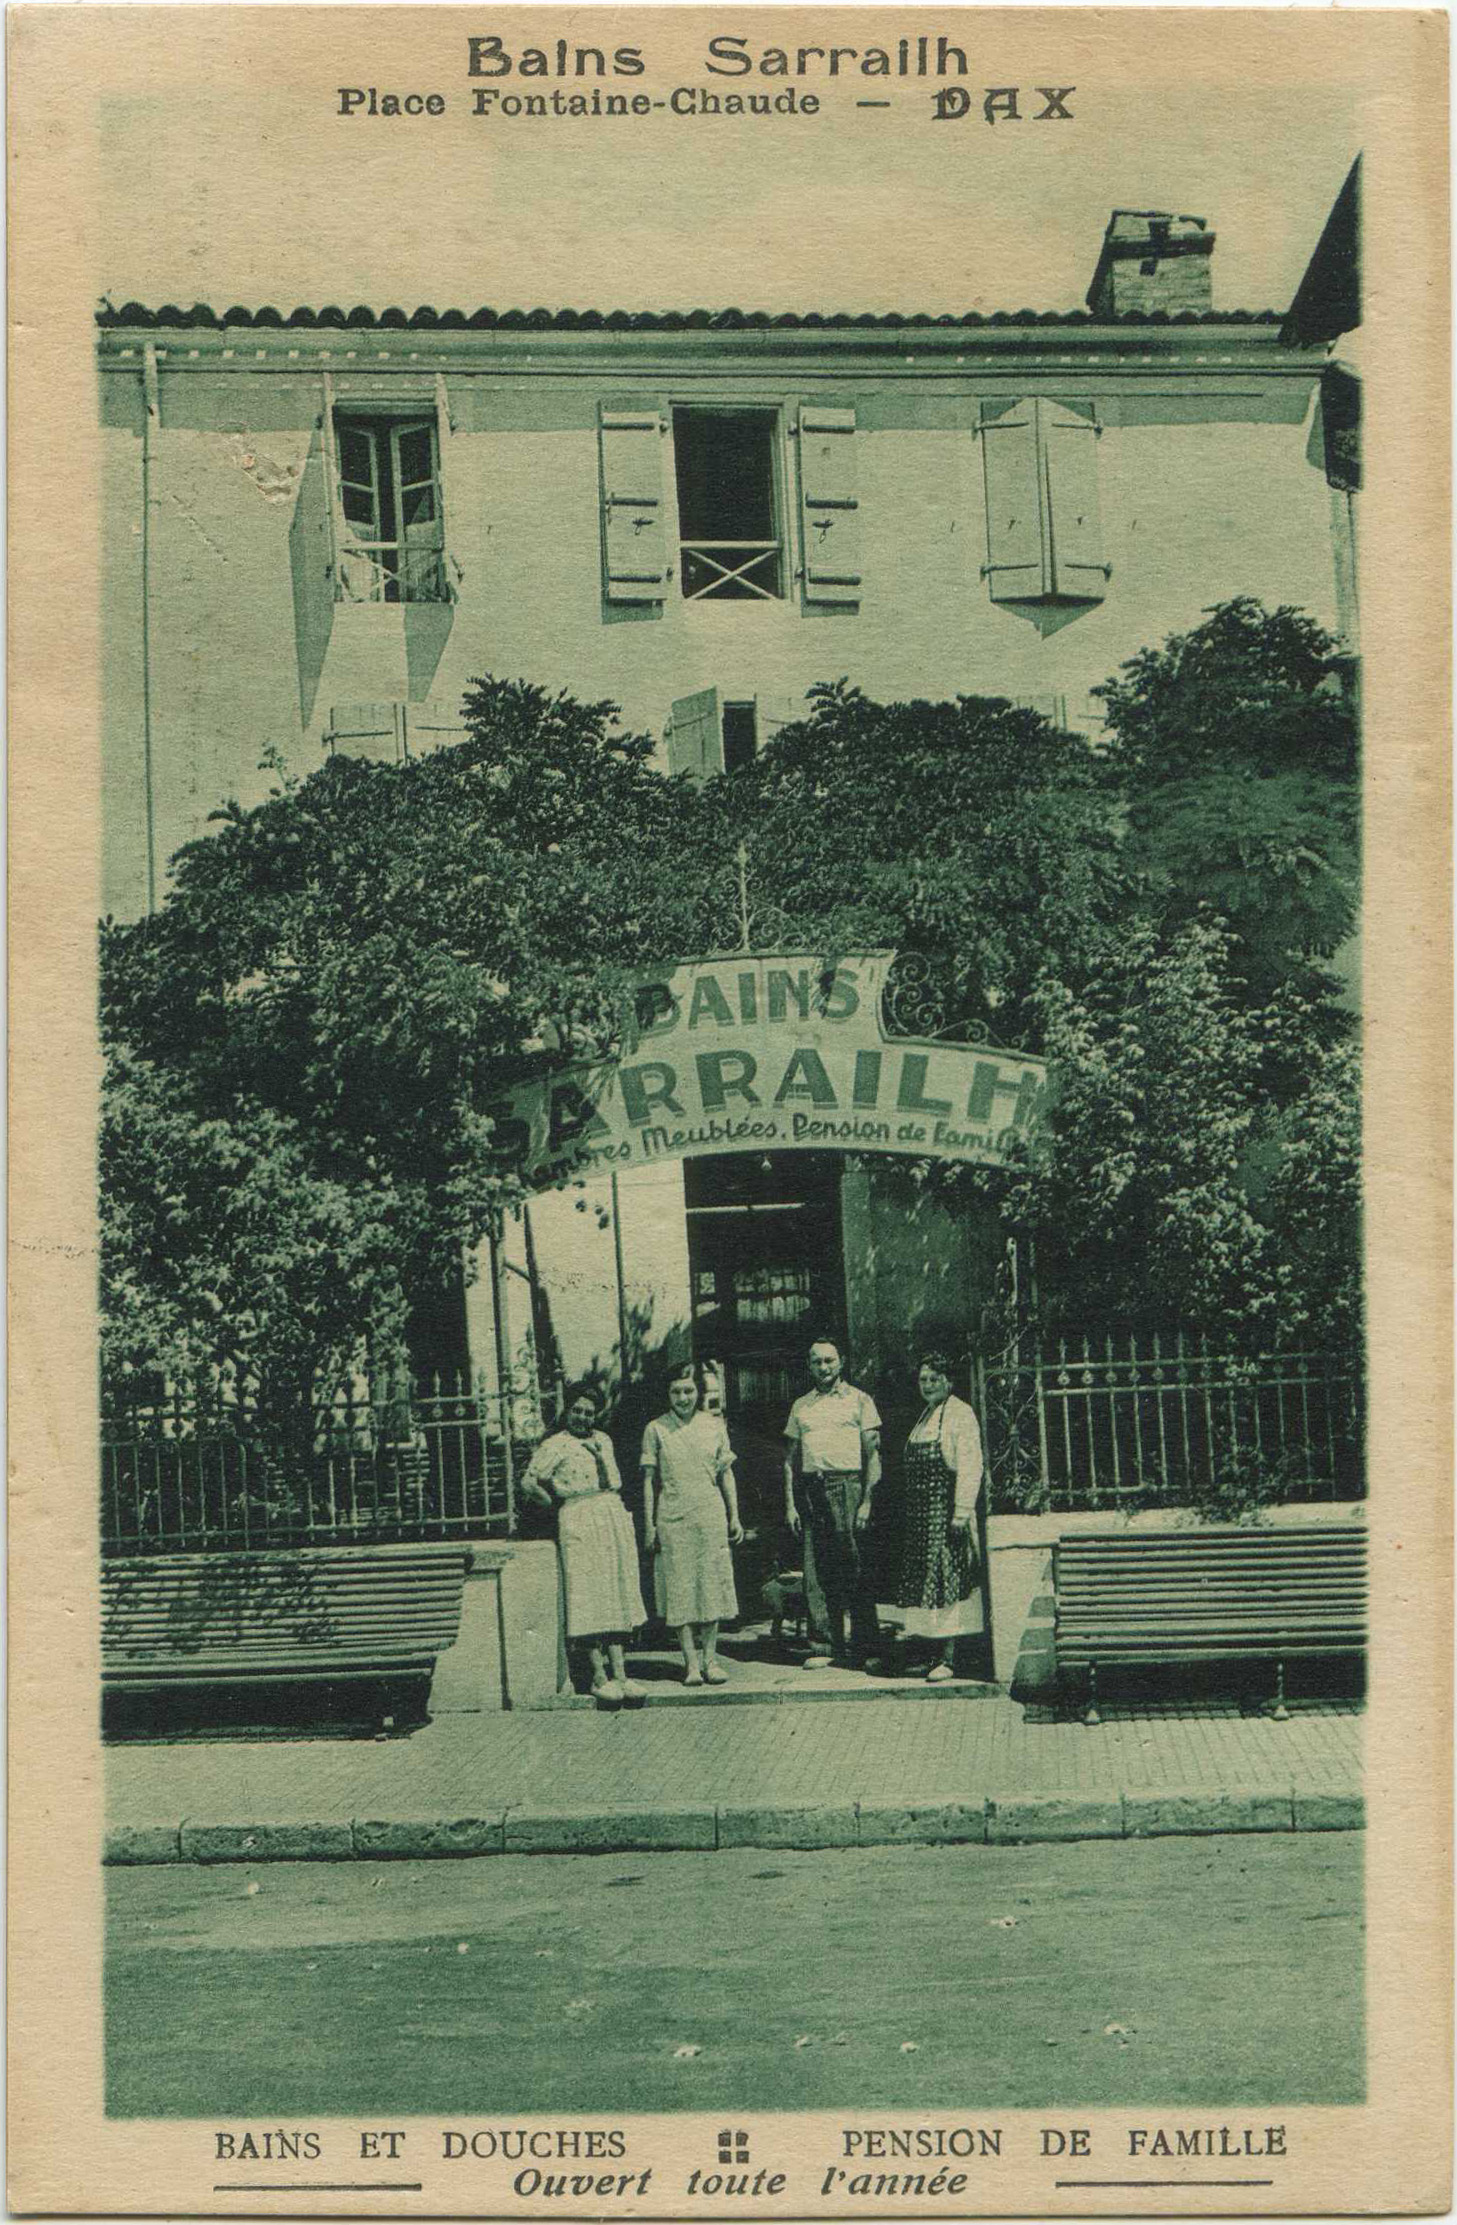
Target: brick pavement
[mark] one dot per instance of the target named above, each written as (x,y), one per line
(1195,1768)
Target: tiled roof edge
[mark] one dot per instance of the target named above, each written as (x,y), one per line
(134,316)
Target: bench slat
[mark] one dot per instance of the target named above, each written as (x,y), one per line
(276,1616)
(1145,1597)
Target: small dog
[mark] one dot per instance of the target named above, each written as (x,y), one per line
(784,1601)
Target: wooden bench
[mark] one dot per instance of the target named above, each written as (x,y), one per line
(1218,1594)
(381,1613)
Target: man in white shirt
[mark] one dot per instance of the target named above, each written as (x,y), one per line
(831,1469)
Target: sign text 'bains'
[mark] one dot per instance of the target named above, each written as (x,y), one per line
(771,1053)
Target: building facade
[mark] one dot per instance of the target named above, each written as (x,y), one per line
(324,524)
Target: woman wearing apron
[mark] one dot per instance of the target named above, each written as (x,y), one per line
(939,1585)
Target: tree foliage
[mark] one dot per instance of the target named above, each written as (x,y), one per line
(305,1041)
(1203,1161)
(1236,748)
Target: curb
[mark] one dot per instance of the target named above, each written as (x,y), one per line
(998,1819)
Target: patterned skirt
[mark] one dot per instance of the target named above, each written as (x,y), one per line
(598,1548)
(938,1582)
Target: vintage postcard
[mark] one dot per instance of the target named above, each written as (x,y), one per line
(729,767)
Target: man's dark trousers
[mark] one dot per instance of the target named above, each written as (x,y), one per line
(828,1504)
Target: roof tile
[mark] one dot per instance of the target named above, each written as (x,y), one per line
(135,316)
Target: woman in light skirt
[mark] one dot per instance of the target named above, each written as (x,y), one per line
(575,1471)
(692,1519)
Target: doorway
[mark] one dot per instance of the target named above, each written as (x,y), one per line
(767,1276)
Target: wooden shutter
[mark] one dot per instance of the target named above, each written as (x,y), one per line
(829,505)
(1015,567)
(695,735)
(430,723)
(634,541)
(367,730)
(330,442)
(1078,573)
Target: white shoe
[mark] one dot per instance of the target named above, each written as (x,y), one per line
(816,1661)
(609,1692)
(631,1691)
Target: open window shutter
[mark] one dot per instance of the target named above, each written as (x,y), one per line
(695,735)
(1075,539)
(829,505)
(429,724)
(1014,568)
(634,541)
(329,435)
(367,730)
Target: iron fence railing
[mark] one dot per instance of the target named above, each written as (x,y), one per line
(1150,1418)
(370,1465)
(392,572)
(731,570)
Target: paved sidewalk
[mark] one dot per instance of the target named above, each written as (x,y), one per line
(832,1774)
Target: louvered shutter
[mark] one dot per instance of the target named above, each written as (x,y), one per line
(695,735)
(373,730)
(829,505)
(1015,571)
(634,541)
(1078,572)
(430,723)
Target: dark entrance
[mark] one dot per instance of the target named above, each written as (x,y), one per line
(767,1275)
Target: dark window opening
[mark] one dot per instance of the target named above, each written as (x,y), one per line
(740,735)
(728,508)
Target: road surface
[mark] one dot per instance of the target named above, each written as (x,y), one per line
(1220,1972)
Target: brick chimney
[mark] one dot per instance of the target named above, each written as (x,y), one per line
(1152,261)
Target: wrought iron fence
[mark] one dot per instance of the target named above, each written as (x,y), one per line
(373,1464)
(1150,1419)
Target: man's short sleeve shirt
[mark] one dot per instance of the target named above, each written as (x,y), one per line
(830,1428)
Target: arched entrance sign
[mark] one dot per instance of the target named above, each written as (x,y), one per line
(770,1052)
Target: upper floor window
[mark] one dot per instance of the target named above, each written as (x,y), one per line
(1044,528)
(752,525)
(707,735)
(391,539)
(730,540)
(392,732)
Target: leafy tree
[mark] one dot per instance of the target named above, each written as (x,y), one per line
(306,1040)
(1236,751)
(972,833)
(1203,1159)
(1168,1184)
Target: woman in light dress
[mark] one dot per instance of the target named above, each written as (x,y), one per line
(574,1470)
(692,1519)
(939,1583)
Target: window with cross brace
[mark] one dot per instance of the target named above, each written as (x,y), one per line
(730,511)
